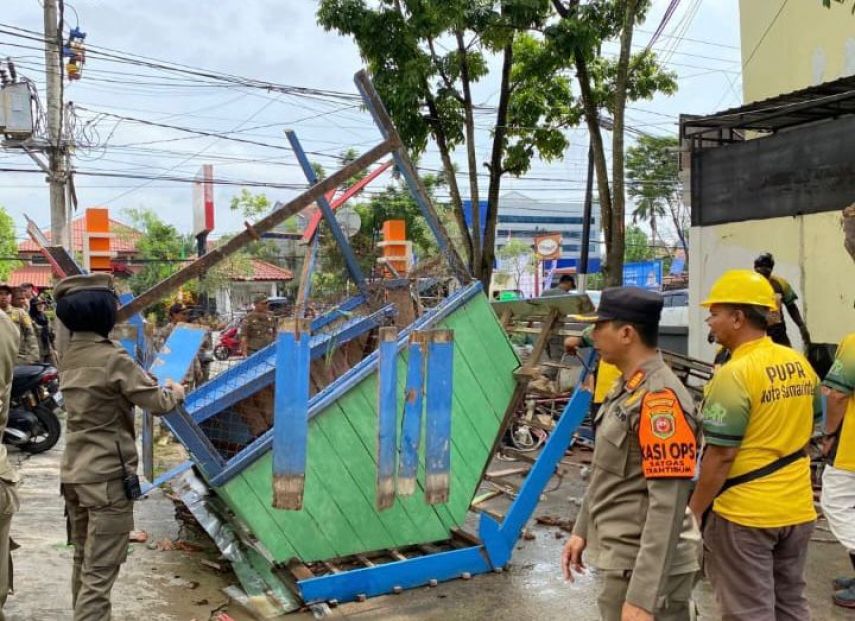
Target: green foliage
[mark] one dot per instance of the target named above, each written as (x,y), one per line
(637,245)
(161,247)
(653,170)
(424,55)
(393,203)
(250,205)
(517,259)
(8,245)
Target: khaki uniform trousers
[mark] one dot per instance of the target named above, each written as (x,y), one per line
(100,518)
(674,605)
(8,507)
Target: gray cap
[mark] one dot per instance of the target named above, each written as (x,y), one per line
(83,282)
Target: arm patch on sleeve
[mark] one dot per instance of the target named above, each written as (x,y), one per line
(668,446)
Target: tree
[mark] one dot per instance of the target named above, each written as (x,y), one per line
(637,247)
(8,245)
(162,249)
(517,260)
(606,85)
(425,55)
(652,169)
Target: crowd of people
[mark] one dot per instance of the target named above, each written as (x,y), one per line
(724,487)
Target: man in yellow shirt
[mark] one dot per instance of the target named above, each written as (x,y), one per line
(759,413)
(838,477)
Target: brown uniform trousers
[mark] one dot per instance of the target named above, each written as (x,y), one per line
(101,385)
(9,341)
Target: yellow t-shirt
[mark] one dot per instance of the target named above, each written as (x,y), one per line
(764,401)
(841,377)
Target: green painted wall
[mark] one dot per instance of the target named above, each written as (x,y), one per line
(338,516)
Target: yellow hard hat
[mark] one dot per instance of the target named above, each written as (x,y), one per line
(742,287)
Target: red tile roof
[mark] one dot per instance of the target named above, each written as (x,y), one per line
(124,240)
(39,275)
(264,271)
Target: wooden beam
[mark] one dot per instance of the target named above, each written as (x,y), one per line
(280,213)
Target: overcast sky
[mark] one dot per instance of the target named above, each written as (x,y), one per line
(280,42)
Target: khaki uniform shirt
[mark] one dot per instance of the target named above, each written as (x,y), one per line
(259,330)
(634,515)
(28,348)
(101,383)
(9,341)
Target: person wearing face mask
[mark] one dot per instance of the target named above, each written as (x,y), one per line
(101,384)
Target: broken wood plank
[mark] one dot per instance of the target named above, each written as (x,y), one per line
(508,472)
(280,213)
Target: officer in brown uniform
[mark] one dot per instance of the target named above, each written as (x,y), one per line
(101,384)
(634,521)
(9,339)
(28,345)
(258,328)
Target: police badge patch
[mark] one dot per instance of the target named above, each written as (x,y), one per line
(662,425)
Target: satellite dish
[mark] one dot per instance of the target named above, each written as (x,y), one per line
(349,221)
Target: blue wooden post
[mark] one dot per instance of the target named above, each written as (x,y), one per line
(387,412)
(440,373)
(411,428)
(291,414)
(344,246)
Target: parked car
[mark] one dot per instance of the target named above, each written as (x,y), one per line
(675,313)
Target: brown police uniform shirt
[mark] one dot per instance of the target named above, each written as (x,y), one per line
(634,515)
(259,330)
(101,383)
(28,347)
(9,341)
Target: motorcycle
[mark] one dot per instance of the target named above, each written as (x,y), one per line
(228,344)
(34,425)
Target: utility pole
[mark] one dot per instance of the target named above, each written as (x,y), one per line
(56,150)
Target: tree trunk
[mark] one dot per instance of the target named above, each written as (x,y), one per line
(599,151)
(499,139)
(477,242)
(614,265)
(678,225)
(453,190)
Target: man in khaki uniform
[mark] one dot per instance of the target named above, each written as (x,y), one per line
(634,522)
(101,384)
(258,328)
(28,345)
(9,339)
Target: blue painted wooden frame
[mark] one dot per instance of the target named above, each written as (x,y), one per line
(387,418)
(439,392)
(342,385)
(342,310)
(498,540)
(257,371)
(411,426)
(344,246)
(290,415)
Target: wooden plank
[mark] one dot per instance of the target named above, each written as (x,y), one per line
(362,416)
(571,304)
(336,469)
(438,398)
(359,461)
(279,214)
(290,413)
(507,472)
(387,423)
(411,429)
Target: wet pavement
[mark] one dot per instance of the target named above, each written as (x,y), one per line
(176,586)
